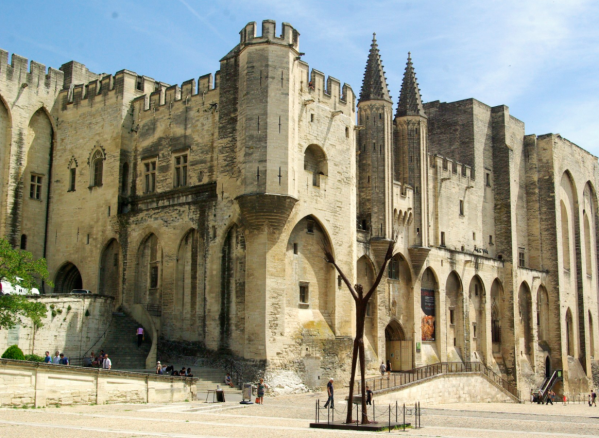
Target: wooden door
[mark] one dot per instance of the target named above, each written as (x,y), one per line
(406,355)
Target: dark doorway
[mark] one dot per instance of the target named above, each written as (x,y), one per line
(67,279)
(547,367)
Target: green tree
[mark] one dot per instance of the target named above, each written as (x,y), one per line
(19,268)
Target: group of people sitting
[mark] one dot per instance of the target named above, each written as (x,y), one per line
(98,361)
(171,371)
(58,359)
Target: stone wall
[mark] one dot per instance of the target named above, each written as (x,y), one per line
(31,384)
(454,388)
(75,324)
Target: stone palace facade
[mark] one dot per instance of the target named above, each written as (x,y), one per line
(206,205)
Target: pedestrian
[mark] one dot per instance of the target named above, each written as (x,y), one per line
(56,358)
(63,359)
(590,403)
(107,363)
(229,380)
(383,368)
(331,394)
(261,388)
(594,398)
(388,369)
(369,395)
(159,368)
(189,374)
(140,336)
(88,361)
(549,398)
(48,358)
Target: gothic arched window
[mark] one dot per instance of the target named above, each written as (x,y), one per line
(97,169)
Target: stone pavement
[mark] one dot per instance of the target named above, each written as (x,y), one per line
(289,416)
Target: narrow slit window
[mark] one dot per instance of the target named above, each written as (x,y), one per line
(461,208)
(304,293)
(442,238)
(72,179)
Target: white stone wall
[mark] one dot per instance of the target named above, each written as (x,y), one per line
(30,384)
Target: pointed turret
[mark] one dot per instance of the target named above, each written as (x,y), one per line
(374,86)
(410,102)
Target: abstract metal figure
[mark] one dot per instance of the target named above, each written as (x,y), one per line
(361,303)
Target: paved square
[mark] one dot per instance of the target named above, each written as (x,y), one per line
(290,416)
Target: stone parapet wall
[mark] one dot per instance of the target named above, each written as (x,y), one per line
(74,324)
(24,384)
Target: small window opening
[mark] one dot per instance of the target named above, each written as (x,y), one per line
(451,316)
(488,179)
(109,211)
(474,330)
(346,132)
(339,281)
(454,342)
(310,227)
(442,238)
(150,176)
(461,208)
(364,225)
(473,236)
(304,293)
(88,239)
(181,170)
(23,241)
(35,189)
(295,248)
(476,290)
(521,259)
(139,84)
(462,248)
(417,231)
(311,117)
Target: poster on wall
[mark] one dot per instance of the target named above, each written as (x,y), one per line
(427,303)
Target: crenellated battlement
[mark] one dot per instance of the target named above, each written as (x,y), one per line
(327,90)
(164,94)
(127,83)
(34,74)
(451,169)
(289,36)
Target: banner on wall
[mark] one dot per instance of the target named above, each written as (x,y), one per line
(427,303)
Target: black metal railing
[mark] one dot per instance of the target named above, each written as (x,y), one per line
(399,379)
(547,385)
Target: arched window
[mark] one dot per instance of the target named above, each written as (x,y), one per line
(97,169)
(315,161)
(565,236)
(394,268)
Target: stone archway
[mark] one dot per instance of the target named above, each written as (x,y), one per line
(399,350)
(68,278)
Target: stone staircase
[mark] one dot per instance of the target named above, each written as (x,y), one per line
(121,344)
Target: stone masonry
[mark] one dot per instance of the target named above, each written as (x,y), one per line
(206,204)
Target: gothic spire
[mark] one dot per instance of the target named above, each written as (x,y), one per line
(374,85)
(410,101)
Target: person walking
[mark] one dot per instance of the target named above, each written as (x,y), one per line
(48,358)
(369,395)
(388,369)
(594,398)
(383,368)
(140,336)
(331,394)
(549,398)
(261,388)
(107,364)
(56,358)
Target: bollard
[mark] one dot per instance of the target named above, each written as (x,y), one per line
(396,411)
(328,415)
(404,417)
(389,418)
(373,411)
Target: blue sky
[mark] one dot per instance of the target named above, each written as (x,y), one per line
(540,58)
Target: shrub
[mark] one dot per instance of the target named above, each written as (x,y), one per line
(13,352)
(34,358)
